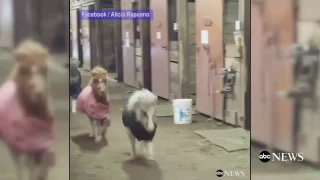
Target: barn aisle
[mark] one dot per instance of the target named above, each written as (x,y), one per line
(179,153)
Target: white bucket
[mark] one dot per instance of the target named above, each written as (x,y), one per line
(182,110)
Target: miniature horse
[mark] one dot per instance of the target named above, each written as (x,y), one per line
(75,84)
(26,115)
(94,102)
(139,118)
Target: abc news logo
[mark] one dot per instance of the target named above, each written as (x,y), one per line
(221,173)
(265,156)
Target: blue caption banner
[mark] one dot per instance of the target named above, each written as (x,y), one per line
(116,14)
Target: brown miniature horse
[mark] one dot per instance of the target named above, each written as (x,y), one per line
(95,103)
(30,78)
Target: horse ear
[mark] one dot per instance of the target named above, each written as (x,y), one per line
(93,74)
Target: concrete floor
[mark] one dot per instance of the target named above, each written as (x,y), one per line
(179,153)
(59,78)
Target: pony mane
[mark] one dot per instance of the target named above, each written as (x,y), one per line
(30,49)
(26,50)
(143,96)
(97,70)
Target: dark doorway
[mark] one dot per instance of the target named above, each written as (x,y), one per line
(80,49)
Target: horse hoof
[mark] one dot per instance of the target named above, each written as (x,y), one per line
(98,139)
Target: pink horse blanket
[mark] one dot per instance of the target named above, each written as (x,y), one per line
(19,130)
(87,104)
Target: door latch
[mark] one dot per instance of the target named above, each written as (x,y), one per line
(229,78)
(305,73)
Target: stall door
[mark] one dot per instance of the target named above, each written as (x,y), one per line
(259,126)
(108,41)
(159,48)
(279,29)
(210,59)
(85,41)
(234,79)
(138,47)
(93,42)
(308,27)
(74,33)
(129,76)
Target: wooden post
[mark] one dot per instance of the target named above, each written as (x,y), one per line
(146,47)
(183,31)
(99,35)
(247,58)
(118,42)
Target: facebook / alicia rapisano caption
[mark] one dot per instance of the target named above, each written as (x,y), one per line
(116,14)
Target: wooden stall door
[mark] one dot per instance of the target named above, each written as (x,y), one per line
(308,27)
(235,78)
(260,132)
(279,36)
(138,46)
(129,76)
(210,59)
(93,42)
(108,41)
(159,48)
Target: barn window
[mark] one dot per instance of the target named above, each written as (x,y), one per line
(231,15)
(172,14)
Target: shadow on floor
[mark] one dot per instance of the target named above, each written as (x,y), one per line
(142,169)
(88,144)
